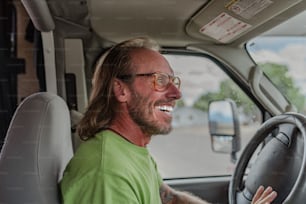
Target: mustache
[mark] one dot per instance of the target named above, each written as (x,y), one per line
(166,102)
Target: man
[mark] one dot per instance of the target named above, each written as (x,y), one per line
(133,96)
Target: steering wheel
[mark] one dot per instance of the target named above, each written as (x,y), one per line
(279,164)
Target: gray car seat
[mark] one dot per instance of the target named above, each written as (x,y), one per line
(37,148)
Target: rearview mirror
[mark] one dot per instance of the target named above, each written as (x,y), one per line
(224,127)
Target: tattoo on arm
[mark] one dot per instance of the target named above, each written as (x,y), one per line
(166,195)
(170,196)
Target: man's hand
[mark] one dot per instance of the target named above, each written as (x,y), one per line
(264,196)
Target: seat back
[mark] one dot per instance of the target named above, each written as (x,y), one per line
(36,151)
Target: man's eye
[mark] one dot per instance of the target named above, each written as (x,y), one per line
(160,80)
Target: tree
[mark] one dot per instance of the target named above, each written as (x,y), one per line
(228,89)
(278,74)
(180,103)
(202,102)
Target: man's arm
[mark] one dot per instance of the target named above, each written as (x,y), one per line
(170,196)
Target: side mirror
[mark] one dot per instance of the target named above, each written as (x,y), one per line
(224,127)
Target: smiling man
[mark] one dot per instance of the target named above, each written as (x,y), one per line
(133,96)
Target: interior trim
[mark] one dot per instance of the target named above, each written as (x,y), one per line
(49,58)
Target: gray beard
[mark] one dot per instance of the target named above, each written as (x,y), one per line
(141,116)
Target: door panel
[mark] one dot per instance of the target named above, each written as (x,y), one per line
(211,189)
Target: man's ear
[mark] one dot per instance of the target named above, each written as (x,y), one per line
(120,91)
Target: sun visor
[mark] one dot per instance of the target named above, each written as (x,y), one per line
(224,21)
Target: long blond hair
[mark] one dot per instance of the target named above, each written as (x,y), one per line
(102,103)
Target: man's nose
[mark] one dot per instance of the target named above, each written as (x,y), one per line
(174,92)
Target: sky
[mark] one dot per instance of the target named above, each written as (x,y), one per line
(198,76)
(290,52)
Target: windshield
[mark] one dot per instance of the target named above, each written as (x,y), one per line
(283,60)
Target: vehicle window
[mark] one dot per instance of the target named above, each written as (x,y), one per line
(283,60)
(186,151)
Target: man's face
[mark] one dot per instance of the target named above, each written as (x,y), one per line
(149,108)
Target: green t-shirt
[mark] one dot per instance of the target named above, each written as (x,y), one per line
(108,169)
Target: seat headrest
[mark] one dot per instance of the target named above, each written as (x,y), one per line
(36,151)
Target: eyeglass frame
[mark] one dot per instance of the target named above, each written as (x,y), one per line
(171,79)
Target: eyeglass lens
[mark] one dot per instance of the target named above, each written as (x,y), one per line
(162,81)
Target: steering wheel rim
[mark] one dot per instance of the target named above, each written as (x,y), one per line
(290,118)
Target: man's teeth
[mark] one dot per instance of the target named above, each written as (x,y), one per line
(165,108)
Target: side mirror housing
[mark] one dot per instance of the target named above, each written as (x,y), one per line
(224,127)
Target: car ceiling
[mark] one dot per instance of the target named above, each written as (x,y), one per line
(217,27)
(173,23)
(294,27)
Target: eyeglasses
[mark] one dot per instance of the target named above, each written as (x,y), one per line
(161,80)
